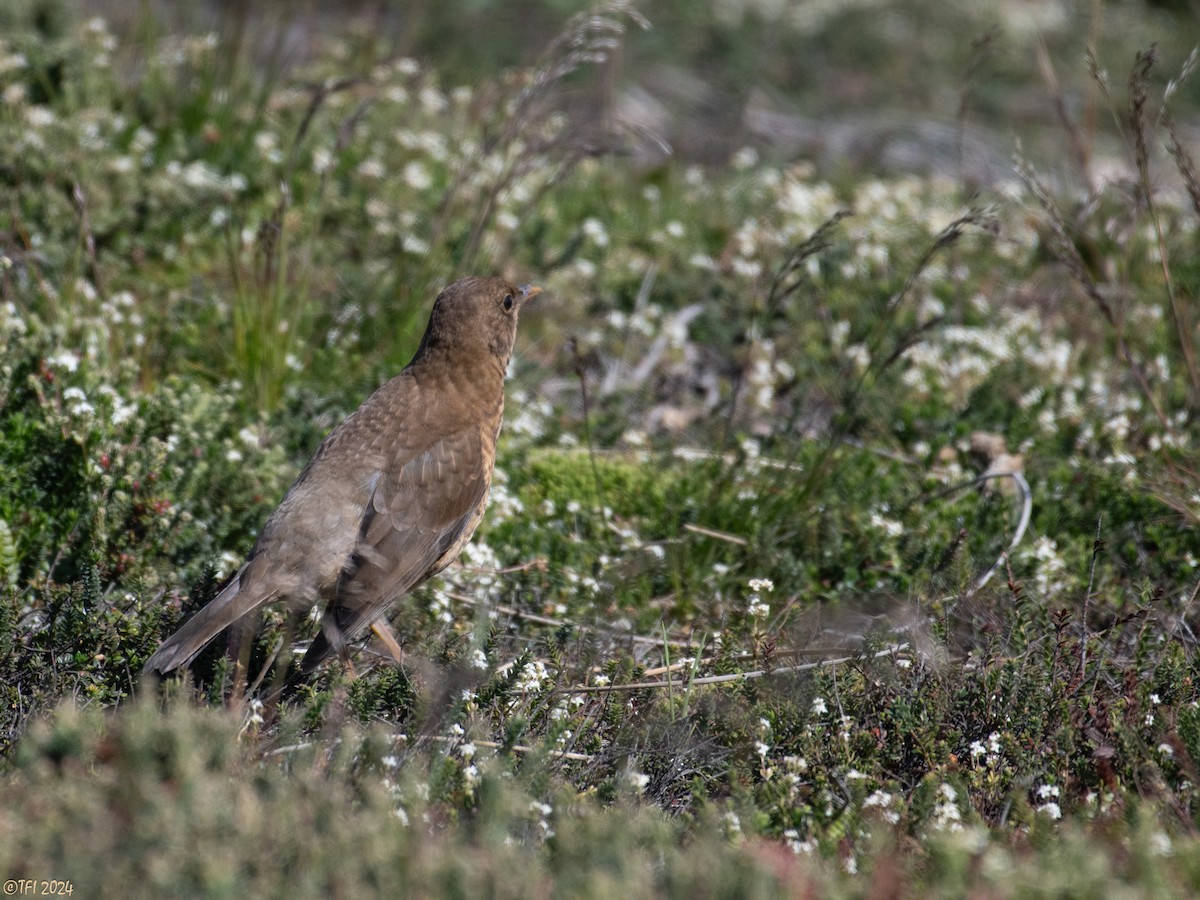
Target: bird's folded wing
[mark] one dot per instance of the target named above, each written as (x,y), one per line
(416,513)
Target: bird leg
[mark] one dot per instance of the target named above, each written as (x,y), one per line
(387,637)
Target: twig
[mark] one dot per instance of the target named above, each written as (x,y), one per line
(1026,500)
(516,748)
(566,623)
(726,679)
(443,739)
(713,533)
(89,238)
(1087,598)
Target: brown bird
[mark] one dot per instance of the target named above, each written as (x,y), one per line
(393,493)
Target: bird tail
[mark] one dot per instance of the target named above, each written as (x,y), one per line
(222,611)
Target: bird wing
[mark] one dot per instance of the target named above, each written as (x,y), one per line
(420,511)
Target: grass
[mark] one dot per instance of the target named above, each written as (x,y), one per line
(843,539)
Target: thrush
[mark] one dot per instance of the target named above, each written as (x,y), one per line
(391,495)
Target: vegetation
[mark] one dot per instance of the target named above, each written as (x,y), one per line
(846,533)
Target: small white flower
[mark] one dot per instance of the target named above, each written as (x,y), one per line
(416,176)
(371,168)
(890,527)
(64,359)
(745,158)
(819,707)
(594,229)
(256,708)
(471,778)
(533,674)
(1160,844)
(732,823)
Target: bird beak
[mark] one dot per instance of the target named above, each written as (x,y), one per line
(528,292)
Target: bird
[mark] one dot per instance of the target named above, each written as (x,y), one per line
(392,494)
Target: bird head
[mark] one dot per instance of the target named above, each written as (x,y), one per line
(476,316)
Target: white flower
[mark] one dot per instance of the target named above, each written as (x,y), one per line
(946,815)
(594,229)
(433,100)
(732,823)
(64,359)
(532,676)
(1160,844)
(882,800)
(39,116)
(1053,810)
(471,778)
(256,708)
(762,584)
(818,706)
(417,176)
(797,846)
(321,161)
(12,61)
(890,527)
(745,158)
(371,168)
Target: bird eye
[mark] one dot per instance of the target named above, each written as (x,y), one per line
(508,301)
